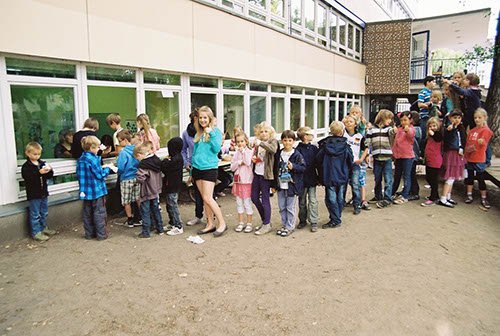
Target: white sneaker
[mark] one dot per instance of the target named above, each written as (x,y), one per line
(175,231)
(193,221)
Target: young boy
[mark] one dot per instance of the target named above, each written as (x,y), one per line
(171,167)
(113,120)
(308,203)
(334,162)
(92,180)
(127,173)
(35,173)
(150,180)
(356,141)
(434,107)
(471,97)
(290,168)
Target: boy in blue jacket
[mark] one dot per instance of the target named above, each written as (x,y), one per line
(290,168)
(308,203)
(335,162)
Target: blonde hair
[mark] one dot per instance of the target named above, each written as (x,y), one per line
(145,125)
(135,140)
(437,94)
(143,148)
(337,128)
(113,118)
(483,112)
(382,116)
(355,107)
(349,117)
(32,146)
(91,123)
(265,125)
(434,120)
(302,132)
(124,135)
(90,141)
(200,131)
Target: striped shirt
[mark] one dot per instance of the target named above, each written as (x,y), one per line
(380,140)
(424,96)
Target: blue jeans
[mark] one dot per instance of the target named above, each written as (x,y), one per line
(94,218)
(402,168)
(173,210)
(383,168)
(287,209)
(38,211)
(356,186)
(150,211)
(308,206)
(334,201)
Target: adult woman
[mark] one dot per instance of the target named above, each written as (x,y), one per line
(63,148)
(207,144)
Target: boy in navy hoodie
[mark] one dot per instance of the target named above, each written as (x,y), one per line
(308,203)
(471,97)
(171,167)
(334,162)
(290,168)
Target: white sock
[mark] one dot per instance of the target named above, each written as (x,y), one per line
(443,199)
(448,196)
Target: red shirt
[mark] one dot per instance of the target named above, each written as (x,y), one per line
(475,152)
(433,150)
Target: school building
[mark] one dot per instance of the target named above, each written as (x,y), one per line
(290,62)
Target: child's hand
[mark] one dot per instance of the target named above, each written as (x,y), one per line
(290,165)
(395,129)
(358,161)
(257,142)
(480,141)
(208,129)
(450,127)
(44,170)
(461,152)
(407,128)
(431,132)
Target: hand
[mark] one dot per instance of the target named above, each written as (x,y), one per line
(450,127)
(407,128)
(257,142)
(358,161)
(44,170)
(431,132)
(395,129)
(290,165)
(480,141)
(208,129)
(254,159)
(461,152)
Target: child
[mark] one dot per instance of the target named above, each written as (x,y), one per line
(453,161)
(127,174)
(434,108)
(334,161)
(90,127)
(402,151)
(356,142)
(146,133)
(361,123)
(171,167)
(35,173)
(150,179)
(379,139)
(291,166)
(415,188)
(361,126)
(113,120)
(241,165)
(433,159)
(92,180)
(263,159)
(471,100)
(308,203)
(475,154)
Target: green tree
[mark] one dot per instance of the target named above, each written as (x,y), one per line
(493,98)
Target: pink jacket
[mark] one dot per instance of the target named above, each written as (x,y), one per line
(153,135)
(242,165)
(403,144)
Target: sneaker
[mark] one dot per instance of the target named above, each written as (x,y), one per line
(413,198)
(175,231)
(427,203)
(485,203)
(248,228)
(469,200)
(383,203)
(301,225)
(357,210)
(239,227)
(138,223)
(373,200)
(40,237)
(400,201)
(263,230)
(330,225)
(314,227)
(194,221)
(141,235)
(49,232)
(446,204)
(397,197)
(365,206)
(161,233)
(130,223)
(452,201)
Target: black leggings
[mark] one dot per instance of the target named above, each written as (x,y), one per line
(479,176)
(432,177)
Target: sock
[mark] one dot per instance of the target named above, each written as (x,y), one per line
(448,196)
(483,197)
(469,195)
(443,199)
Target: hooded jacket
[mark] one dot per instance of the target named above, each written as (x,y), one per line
(334,161)
(188,144)
(36,183)
(127,164)
(172,165)
(296,187)
(149,176)
(309,152)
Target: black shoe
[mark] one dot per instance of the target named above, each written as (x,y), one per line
(373,200)
(452,201)
(357,210)
(447,204)
(330,225)
(469,200)
(301,225)
(202,232)
(485,203)
(413,198)
(220,233)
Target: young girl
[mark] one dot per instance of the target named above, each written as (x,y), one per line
(475,154)
(379,139)
(402,151)
(146,133)
(241,165)
(266,147)
(433,159)
(453,161)
(205,162)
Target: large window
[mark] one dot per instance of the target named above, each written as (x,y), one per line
(40,113)
(309,113)
(294,113)
(278,114)
(296,14)
(162,107)
(233,114)
(257,110)
(321,114)
(26,67)
(309,14)
(204,99)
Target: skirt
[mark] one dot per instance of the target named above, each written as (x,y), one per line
(205,175)
(242,190)
(453,164)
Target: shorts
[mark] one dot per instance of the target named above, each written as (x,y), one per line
(209,175)
(362,174)
(130,190)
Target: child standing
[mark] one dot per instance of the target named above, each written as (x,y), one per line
(92,180)
(433,159)
(146,133)
(356,142)
(379,139)
(415,188)
(308,203)
(150,180)
(453,161)
(471,100)
(402,150)
(171,167)
(263,159)
(475,154)
(434,107)
(127,174)
(334,162)
(291,166)
(114,122)
(35,173)
(241,165)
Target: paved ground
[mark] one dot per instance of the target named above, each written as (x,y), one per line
(405,270)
